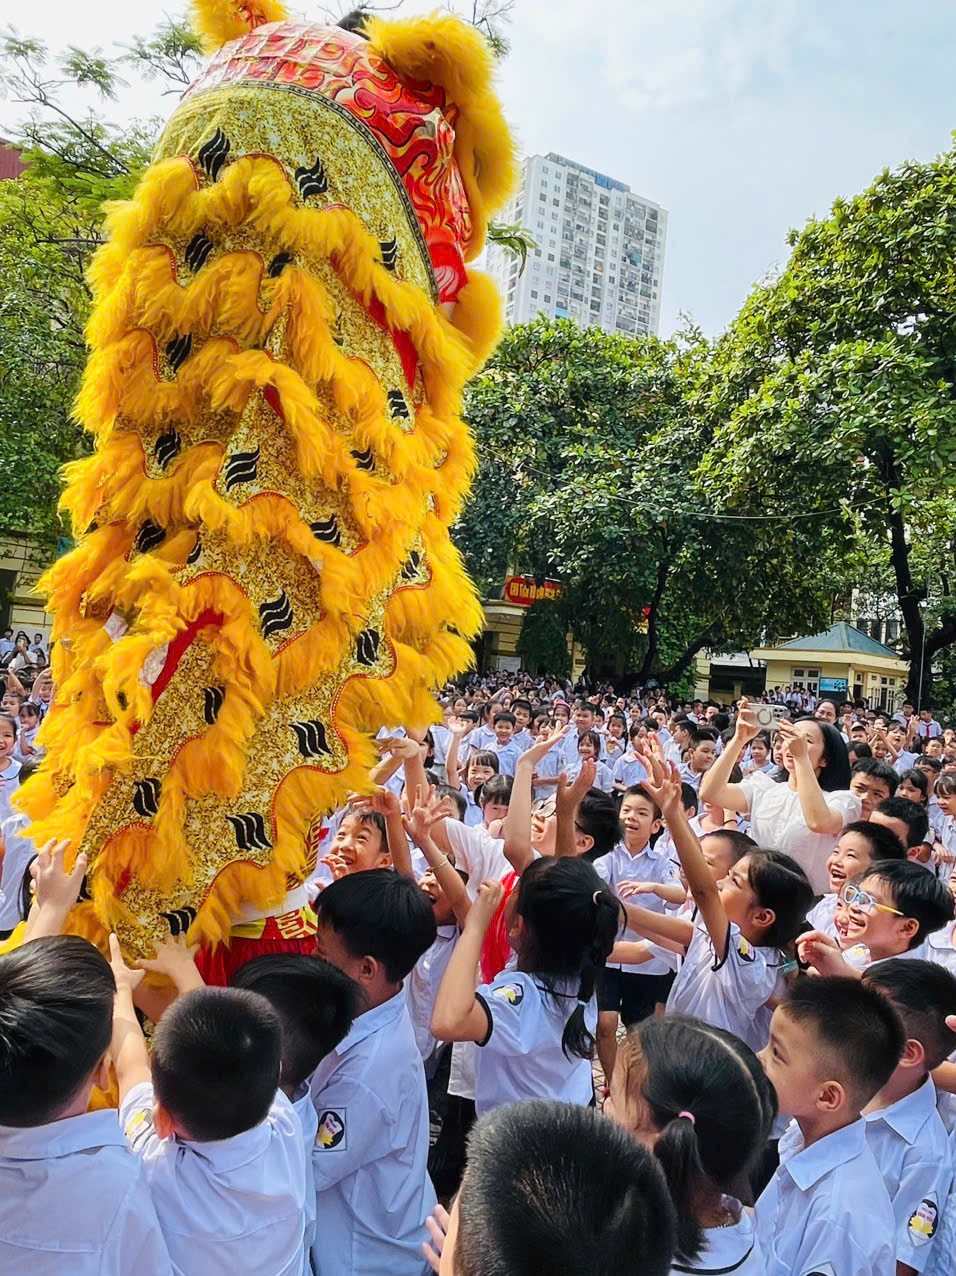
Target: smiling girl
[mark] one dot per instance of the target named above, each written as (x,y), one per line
(9,767)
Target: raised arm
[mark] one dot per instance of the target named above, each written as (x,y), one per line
(128,1049)
(568,799)
(663,784)
(458,1015)
(819,817)
(716,786)
(517,826)
(458,731)
(55,891)
(428,811)
(385,803)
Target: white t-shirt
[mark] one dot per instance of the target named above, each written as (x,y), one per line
(821,916)
(422,985)
(648,865)
(777,823)
(731,994)
(479,854)
(521,1058)
(9,783)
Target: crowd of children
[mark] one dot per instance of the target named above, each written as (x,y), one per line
(599,985)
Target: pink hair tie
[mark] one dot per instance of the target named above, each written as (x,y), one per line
(688,1116)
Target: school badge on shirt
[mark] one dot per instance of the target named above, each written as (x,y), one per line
(923,1221)
(745,949)
(331,1131)
(512,993)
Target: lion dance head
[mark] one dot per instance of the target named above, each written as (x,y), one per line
(283,324)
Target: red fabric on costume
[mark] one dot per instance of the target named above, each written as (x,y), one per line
(218,965)
(496,950)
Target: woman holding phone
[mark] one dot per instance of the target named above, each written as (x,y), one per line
(805,807)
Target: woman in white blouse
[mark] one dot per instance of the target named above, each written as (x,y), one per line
(804,809)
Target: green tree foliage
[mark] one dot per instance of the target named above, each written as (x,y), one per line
(833,393)
(588,448)
(50,221)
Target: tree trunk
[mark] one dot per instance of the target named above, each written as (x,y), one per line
(677,667)
(908,595)
(653,625)
(919,688)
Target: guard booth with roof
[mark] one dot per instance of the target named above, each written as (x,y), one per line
(840,663)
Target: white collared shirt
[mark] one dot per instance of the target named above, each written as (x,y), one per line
(826,1209)
(229,1206)
(648,865)
(941,947)
(304,1109)
(629,770)
(521,1058)
(371,1153)
(74,1202)
(911,1147)
(822,915)
(422,987)
(731,994)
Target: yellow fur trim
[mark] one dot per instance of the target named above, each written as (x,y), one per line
(446,51)
(216,21)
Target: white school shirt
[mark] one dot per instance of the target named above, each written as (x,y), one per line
(479,854)
(911,1147)
(569,745)
(826,1210)
(905,762)
(821,916)
(370,1159)
(304,1109)
(649,865)
(422,987)
(689,776)
(9,783)
(603,777)
(74,1202)
(17,853)
(941,947)
(728,1251)
(229,1206)
(507,755)
(473,814)
(629,771)
(776,821)
(521,1057)
(731,994)
(929,730)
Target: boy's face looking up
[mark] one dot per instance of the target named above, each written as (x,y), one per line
(934,748)
(640,819)
(851,855)
(359,846)
(871,791)
(503,731)
(878,924)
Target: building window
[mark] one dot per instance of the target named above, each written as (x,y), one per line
(550,256)
(534,295)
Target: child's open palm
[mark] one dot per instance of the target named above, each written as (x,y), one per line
(125,977)
(486,905)
(663,781)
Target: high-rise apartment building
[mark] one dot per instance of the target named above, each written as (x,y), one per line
(600,254)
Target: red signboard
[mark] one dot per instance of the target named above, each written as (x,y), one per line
(525,590)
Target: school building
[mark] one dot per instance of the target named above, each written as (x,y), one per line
(842,662)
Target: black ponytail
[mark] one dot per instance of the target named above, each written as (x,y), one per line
(573,922)
(706,1093)
(678,1151)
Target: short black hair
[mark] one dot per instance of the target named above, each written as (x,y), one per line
(741,844)
(597,817)
(497,788)
(854,1025)
(505,716)
(700,734)
(554,1187)
(447,791)
(56,1021)
(925,763)
(638,790)
(521,704)
(884,844)
(216,1061)
(916,892)
(918,780)
(878,771)
(912,814)
(380,914)
(922,993)
(315,1001)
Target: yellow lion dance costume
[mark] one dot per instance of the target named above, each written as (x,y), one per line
(263,576)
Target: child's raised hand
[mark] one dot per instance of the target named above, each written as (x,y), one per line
(460,727)
(663,782)
(543,747)
(404,747)
(383,801)
(172,958)
(336,865)
(821,953)
(568,797)
(125,977)
(427,810)
(56,888)
(437,1224)
(627,890)
(486,905)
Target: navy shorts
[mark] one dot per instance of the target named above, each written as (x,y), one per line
(632,996)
